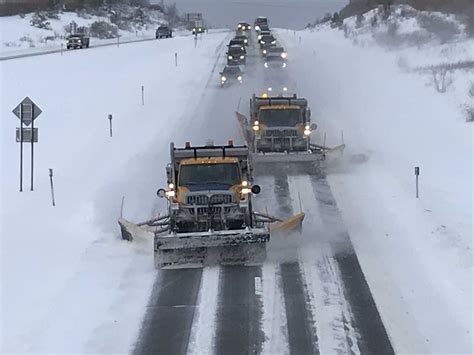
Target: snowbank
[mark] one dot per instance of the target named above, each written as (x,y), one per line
(69,284)
(415,253)
(17,35)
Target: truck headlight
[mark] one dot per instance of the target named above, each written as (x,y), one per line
(239,78)
(223,78)
(256,126)
(246,191)
(229,57)
(284,55)
(307,132)
(265,65)
(285,89)
(242,57)
(194,30)
(170,193)
(257,28)
(245,183)
(264,51)
(245,41)
(239,26)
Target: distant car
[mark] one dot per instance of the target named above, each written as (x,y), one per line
(275,51)
(274,61)
(163,32)
(244,26)
(267,41)
(236,55)
(243,38)
(260,21)
(238,42)
(231,73)
(263,33)
(77,41)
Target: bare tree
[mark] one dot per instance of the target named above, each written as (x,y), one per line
(441,79)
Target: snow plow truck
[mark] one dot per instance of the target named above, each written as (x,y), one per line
(210,218)
(279,128)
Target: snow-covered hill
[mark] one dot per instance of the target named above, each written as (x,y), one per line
(17,32)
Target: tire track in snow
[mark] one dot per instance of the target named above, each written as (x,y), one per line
(167,325)
(372,336)
(302,335)
(203,329)
(239,311)
(321,277)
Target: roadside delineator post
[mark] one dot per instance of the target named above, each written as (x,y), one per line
(417,173)
(62,45)
(176,59)
(143,95)
(52,186)
(110,124)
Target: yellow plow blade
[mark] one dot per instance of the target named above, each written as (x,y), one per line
(294,222)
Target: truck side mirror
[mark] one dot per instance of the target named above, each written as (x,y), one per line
(161,193)
(256,189)
(313,126)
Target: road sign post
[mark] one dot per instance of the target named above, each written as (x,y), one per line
(110,124)
(52,186)
(417,173)
(27,112)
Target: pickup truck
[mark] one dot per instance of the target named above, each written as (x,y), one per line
(77,41)
(163,32)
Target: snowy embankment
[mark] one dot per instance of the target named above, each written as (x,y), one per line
(17,36)
(416,253)
(69,284)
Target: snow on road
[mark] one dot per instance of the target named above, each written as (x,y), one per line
(416,254)
(68,283)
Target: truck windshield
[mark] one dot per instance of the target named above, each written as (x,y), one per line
(204,174)
(280,117)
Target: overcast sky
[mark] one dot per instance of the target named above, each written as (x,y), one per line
(294,14)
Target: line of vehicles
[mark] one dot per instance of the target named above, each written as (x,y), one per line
(210,216)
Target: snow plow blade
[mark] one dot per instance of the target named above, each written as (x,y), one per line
(293,223)
(198,249)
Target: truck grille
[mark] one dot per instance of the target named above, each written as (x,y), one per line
(204,200)
(281,132)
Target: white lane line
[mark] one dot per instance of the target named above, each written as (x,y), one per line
(258,286)
(274,313)
(203,331)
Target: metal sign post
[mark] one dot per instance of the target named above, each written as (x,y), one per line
(52,187)
(27,112)
(110,124)
(417,173)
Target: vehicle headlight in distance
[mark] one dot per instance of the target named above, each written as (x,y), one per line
(262,42)
(257,28)
(284,65)
(245,41)
(194,30)
(79,41)
(265,65)
(273,42)
(285,89)
(259,37)
(245,183)
(239,26)
(223,78)
(242,57)
(307,132)
(264,51)
(270,89)
(284,55)
(230,57)
(239,78)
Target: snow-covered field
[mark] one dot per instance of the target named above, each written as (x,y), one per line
(68,282)
(17,36)
(416,253)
